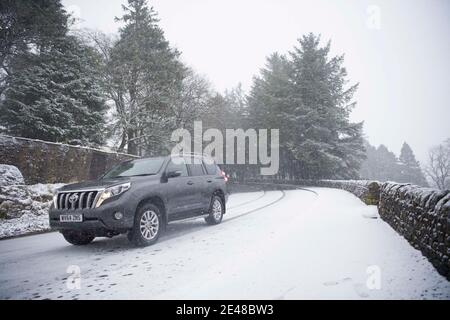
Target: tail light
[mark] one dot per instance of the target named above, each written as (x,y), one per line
(223,174)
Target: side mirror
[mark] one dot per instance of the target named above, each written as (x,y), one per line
(173,174)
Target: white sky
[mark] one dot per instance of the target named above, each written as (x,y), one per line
(397,49)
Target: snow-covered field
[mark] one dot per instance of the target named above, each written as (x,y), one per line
(271,245)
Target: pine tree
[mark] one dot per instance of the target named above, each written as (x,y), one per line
(25,26)
(329,145)
(55,96)
(145,76)
(386,165)
(409,167)
(305,96)
(271,105)
(383,165)
(369,169)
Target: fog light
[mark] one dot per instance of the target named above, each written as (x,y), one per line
(118,215)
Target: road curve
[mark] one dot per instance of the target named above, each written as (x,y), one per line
(271,245)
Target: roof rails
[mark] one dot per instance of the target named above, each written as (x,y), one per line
(205,157)
(182,154)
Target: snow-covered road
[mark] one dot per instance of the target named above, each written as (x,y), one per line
(293,244)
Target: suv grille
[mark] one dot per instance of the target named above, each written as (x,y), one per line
(76,200)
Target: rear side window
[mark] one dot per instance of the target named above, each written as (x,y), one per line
(196,169)
(211,169)
(180,165)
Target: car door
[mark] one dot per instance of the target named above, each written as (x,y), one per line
(180,190)
(212,180)
(197,174)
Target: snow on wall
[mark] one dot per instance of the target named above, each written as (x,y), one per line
(422,216)
(48,162)
(367,191)
(10,175)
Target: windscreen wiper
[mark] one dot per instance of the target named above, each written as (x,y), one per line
(139,175)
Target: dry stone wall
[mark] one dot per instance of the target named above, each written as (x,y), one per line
(46,162)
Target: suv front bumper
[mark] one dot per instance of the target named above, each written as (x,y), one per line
(101,218)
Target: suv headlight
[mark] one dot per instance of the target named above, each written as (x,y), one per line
(112,192)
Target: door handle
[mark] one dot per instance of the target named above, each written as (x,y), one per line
(209,181)
(190,183)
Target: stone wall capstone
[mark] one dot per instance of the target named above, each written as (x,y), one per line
(47,162)
(367,191)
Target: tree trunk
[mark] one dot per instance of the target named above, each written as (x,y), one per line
(132,146)
(123,143)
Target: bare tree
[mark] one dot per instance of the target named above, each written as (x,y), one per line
(191,101)
(438,168)
(184,103)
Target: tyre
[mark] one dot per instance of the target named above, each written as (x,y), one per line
(216,211)
(148,224)
(78,238)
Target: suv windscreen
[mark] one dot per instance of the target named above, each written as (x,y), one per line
(139,167)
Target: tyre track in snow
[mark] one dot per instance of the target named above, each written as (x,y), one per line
(247,202)
(193,225)
(292,186)
(283,194)
(196,224)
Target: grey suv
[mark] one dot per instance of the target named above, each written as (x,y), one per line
(139,197)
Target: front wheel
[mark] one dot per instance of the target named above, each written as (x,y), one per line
(78,238)
(216,211)
(147,226)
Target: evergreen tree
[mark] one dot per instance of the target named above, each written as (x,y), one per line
(272,105)
(410,170)
(55,96)
(305,96)
(146,75)
(383,165)
(369,166)
(26,26)
(329,146)
(229,111)
(380,164)
(386,165)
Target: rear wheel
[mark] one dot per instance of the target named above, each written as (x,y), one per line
(78,238)
(147,226)
(216,211)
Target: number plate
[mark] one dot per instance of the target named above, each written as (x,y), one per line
(71,218)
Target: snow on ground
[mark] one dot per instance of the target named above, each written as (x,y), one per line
(32,209)
(27,224)
(271,245)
